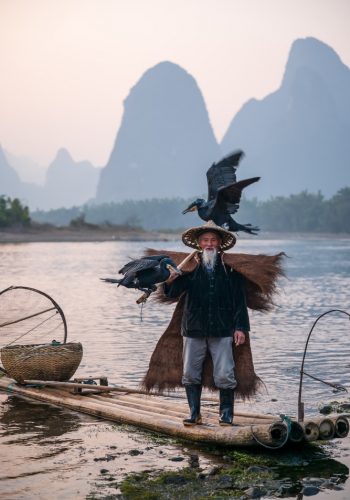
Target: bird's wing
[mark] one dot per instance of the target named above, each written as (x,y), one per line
(222,173)
(157,257)
(229,197)
(138,265)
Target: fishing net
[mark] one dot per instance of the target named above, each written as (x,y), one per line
(29,316)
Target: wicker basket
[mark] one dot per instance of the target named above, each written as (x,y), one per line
(42,361)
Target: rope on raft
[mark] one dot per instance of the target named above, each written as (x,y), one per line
(337,387)
(287,422)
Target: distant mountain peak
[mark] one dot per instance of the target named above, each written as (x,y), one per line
(313,54)
(165,68)
(164,79)
(165,129)
(294,135)
(307,46)
(63,155)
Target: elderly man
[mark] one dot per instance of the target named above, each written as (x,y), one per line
(215,315)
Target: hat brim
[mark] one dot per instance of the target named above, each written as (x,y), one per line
(190,237)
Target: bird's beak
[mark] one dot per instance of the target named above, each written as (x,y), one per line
(190,209)
(175,269)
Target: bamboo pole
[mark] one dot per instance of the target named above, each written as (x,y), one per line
(88,387)
(311,430)
(296,434)
(333,425)
(256,415)
(133,406)
(109,388)
(145,296)
(127,402)
(164,405)
(327,427)
(342,426)
(172,411)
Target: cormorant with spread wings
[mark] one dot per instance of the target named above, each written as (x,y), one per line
(224,195)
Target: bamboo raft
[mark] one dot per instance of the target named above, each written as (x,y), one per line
(164,414)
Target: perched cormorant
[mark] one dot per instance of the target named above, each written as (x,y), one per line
(144,273)
(224,195)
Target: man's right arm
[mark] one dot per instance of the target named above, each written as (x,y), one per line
(175,286)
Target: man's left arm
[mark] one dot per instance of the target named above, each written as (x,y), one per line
(242,325)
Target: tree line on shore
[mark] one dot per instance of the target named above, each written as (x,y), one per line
(303,212)
(13,213)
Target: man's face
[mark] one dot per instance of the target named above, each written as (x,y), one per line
(209,241)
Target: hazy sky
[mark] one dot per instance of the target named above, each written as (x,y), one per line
(67,65)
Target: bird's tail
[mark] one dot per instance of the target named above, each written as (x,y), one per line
(111,280)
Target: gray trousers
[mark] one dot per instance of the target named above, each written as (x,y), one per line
(220,348)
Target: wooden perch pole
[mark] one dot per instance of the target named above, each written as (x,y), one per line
(88,387)
(182,264)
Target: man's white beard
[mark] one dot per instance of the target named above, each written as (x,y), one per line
(209,258)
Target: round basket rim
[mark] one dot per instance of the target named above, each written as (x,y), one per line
(40,345)
(40,292)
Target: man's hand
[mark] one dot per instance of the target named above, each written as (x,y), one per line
(172,277)
(239,337)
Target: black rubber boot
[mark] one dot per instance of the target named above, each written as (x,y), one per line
(226,406)
(193,393)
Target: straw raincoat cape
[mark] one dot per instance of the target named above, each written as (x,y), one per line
(165,368)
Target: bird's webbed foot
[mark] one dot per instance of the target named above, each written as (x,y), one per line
(148,291)
(248,228)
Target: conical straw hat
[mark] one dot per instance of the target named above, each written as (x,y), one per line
(190,237)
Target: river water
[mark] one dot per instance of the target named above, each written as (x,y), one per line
(47,452)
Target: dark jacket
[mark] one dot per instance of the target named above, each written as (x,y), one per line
(215,304)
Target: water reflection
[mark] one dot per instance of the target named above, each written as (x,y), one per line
(32,423)
(33,436)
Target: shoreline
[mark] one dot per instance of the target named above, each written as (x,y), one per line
(57,235)
(83,235)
